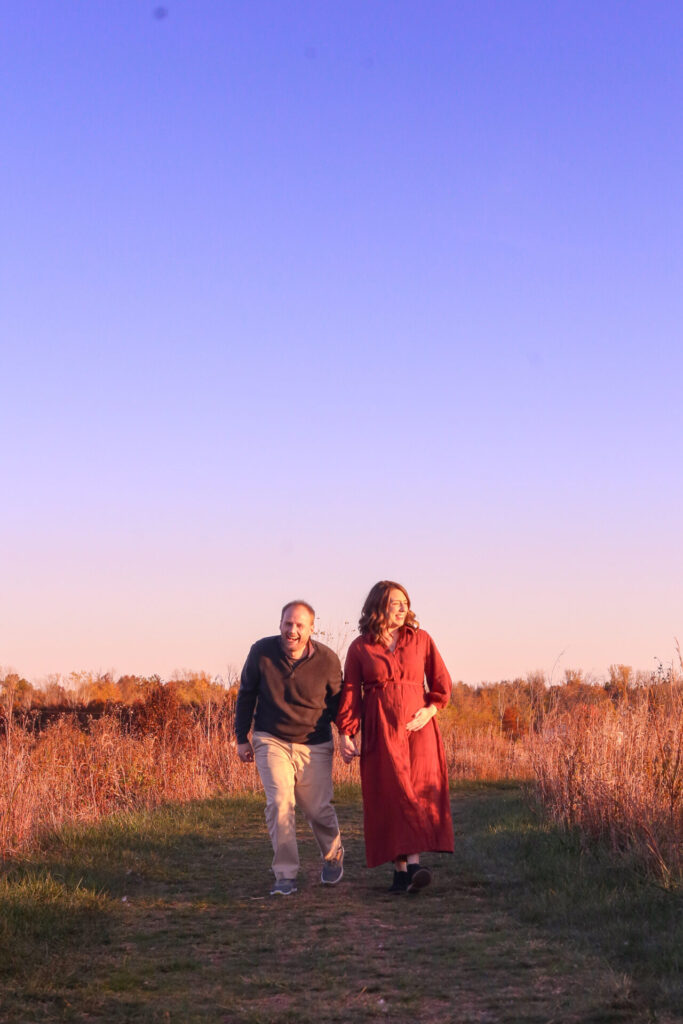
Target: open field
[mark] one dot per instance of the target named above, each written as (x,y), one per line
(82,768)
(164,916)
(607,761)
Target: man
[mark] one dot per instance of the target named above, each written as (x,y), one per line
(289,690)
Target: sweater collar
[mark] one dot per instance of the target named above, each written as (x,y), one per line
(308,653)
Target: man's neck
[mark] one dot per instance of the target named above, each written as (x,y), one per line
(300,653)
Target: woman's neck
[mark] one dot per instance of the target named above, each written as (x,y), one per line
(391,637)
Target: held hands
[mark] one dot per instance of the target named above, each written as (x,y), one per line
(421,717)
(245,752)
(348,748)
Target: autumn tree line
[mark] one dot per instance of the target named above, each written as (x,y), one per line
(513,708)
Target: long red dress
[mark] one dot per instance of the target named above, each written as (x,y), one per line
(406,807)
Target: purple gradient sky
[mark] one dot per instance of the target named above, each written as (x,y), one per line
(297,296)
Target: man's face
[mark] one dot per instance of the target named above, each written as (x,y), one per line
(296,627)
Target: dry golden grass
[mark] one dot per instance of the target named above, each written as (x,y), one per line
(613,771)
(616,773)
(484,754)
(67,774)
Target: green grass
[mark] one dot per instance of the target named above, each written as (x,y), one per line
(166,917)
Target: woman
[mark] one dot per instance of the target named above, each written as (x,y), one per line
(406,808)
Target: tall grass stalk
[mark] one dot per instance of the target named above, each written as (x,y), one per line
(69,775)
(66,775)
(616,774)
(484,753)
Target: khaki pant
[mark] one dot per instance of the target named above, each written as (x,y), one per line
(296,774)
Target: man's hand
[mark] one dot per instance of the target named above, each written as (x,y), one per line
(245,752)
(348,748)
(421,717)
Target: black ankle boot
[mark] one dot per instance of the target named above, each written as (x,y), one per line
(400,883)
(418,877)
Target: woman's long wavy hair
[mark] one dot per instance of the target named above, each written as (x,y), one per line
(374,617)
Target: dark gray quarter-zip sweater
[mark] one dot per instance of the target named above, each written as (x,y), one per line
(293,700)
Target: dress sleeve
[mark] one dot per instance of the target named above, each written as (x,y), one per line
(350,712)
(438,680)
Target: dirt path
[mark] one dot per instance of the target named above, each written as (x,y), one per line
(187,933)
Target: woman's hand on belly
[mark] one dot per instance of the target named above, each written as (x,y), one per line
(421,717)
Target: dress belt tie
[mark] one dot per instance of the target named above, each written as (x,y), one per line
(379,684)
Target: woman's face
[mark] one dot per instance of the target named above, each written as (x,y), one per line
(397,609)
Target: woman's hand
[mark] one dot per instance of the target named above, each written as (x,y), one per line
(421,717)
(348,748)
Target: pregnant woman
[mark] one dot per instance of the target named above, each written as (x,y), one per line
(394,682)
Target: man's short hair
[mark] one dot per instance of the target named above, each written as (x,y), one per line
(294,604)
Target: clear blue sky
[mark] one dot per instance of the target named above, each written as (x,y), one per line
(298,296)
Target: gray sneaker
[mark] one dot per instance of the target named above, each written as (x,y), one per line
(333,868)
(283,887)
